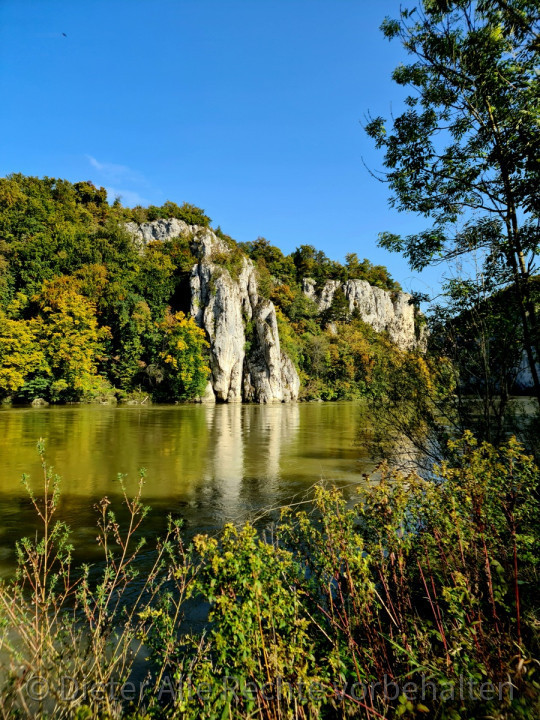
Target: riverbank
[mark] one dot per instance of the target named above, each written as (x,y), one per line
(418,600)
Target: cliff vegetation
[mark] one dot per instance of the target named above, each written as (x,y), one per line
(89,313)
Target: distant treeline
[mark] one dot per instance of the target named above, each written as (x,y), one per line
(85,313)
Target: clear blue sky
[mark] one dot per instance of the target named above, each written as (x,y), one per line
(251,109)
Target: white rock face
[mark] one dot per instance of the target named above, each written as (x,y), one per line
(290,381)
(308,287)
(326,295)
(216,307)
(384,311)
(158,230)
(223,305)
(208,397)
(269,375)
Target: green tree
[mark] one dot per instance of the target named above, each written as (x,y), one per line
(154,280)
(190,214)
(136,338)
(313,263)
(308,262)
(279,265)
(477,328)
(92,198)
(464,154)
(376,275)
(338,311)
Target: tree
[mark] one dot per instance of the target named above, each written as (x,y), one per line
(464,152)
(309,262)
(279,265)
(185,372)
(339,310)
(136,337)
(475,327)
(190,214)
(72,343)
(376,275)
(20,353)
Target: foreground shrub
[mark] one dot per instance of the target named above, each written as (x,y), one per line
(69,638)
(418,601)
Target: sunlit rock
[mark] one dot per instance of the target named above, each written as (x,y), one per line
(385,311)
(225,302)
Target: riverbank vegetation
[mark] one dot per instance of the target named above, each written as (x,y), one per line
(463,153)
(418,601)
(87,314)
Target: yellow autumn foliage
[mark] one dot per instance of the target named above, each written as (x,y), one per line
(20,352)
(184,356)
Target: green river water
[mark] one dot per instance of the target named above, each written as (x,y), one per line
(204,464)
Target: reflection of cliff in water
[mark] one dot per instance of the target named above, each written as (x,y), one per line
(243,466)
(204,464)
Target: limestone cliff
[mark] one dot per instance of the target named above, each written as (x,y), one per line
(390,312)
(246,359)
(158,230)
(226,303)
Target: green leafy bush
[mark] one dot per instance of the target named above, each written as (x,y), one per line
(183,357)
(190,214)
(417,601)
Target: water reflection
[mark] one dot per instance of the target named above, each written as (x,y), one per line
(206,464)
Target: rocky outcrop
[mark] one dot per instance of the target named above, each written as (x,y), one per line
(390,312)
(269,373)
(158,230)
(246,359)
(226,303)
(209,396)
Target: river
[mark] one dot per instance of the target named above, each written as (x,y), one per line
(204,464)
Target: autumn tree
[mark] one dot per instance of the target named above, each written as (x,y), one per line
(182,357)
(71,341)
(20,353)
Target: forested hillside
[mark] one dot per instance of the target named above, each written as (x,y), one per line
(87,313)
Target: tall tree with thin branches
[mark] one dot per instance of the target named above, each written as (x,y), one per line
(465,153)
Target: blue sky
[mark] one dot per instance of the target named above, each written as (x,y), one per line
(251,109)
